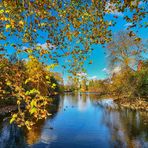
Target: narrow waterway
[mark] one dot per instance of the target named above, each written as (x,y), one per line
(81,121)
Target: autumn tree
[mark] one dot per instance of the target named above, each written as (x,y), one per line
(130,83)
(99,86)
(123,84)
(69,26)
(83,85)
(11,75)
(125,50)
(72,84)
(142,80)
(29,84)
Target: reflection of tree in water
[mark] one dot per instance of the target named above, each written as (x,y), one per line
(75,98)
(127,128)
(70,98)
(82,101)
(55,106)
(48,135)
(33,135)
(11,136)
(95,96)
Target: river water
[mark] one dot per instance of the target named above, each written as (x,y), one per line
(81,121)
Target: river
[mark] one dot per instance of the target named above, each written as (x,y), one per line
(81,121)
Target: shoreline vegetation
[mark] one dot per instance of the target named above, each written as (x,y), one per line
(139,104)
(129,103)
(134,104)
(127,86)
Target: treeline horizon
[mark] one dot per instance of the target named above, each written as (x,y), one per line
(127,83)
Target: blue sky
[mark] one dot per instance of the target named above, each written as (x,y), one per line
(98,69)
(99,59)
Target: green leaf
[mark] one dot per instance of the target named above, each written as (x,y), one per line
(33,103)
(33,110)
(8,83)
(12,120)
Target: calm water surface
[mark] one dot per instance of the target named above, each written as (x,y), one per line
(81,121)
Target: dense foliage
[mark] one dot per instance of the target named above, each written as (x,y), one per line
(130,83)
(70,27)
(28,84)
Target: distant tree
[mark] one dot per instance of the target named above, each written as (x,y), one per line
(99,86)
(123,83)
(73,84)
(130,83)
(125,50)
(83,85)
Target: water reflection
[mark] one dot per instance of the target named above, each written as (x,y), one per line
(127,128)
(11,136)
(33,135)
(82,120)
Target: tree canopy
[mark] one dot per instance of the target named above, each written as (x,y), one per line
(67,28)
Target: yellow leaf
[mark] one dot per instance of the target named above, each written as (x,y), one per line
(33,110)
(21,23)
(1,11)
(8,26)
(3,18)
(12,120)
(18,102)
(7,11)
(8,83)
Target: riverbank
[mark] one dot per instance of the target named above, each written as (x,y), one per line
(130,103)
(134,104)
(8,109)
